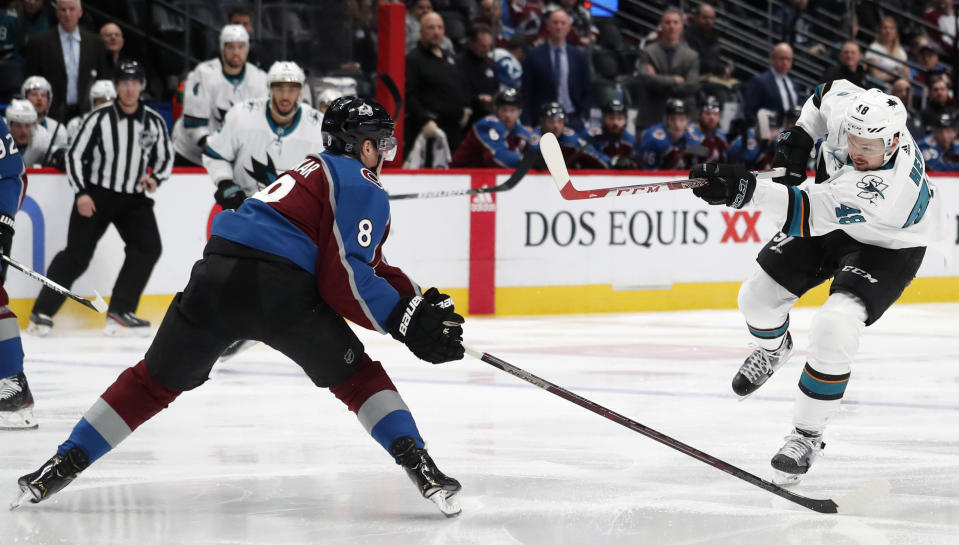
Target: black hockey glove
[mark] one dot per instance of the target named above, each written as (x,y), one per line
(792,152)
(229,195)
(6,241)
(428,326)
(731,184)
(624,162)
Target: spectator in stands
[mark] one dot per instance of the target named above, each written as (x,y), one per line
(612,139)
(34,17)
(112,37)
(703,38)
(773,89)
(555,71)
(8,29)
(714,138)
(903,89)
(917,42)
(69,57)
(582,31)
(577,151)
(670,145)
(758,148)
(415,10)
(525,18)
(491,15)
(886,53)
(479,71)
(243,16)
(940,149)
(929,64)
(849,67)
(942,17)
(435,88)
(509,63)
(940,101)
(667,69)
(496,140)
(796,28)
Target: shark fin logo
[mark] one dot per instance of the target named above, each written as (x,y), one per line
(264,174)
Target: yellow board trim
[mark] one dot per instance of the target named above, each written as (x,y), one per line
(548,300)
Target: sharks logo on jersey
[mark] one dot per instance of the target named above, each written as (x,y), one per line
(264,174)
(872,188)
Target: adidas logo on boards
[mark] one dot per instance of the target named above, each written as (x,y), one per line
(482,202)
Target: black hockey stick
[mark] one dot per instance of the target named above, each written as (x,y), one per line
(854,499)
(394,92)
(521,169)
(553,156)
(97,304)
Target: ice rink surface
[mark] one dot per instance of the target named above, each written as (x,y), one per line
(260,456)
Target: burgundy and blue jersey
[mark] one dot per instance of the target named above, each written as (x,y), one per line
(13,186)
(330,216)
(657,150)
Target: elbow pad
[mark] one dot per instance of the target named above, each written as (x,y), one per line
(792,152)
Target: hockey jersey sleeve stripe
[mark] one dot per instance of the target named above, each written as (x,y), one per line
(210,152)
(191,122)
(820,92)
(797,213)
(922,204)
(344,261)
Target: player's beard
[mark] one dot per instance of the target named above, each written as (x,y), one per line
(280,117)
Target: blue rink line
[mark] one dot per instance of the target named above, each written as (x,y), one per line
(575,389)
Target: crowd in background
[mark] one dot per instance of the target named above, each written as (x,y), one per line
(485,78)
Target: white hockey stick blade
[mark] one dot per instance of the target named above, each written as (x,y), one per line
(867,493)
(98,303)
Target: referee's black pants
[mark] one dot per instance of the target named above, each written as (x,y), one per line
(132,215)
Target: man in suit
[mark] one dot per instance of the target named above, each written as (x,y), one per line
(773,89)
(557,72)
(667,69)
(69,57)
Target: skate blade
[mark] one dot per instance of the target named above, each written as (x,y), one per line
(25,496)
(781,478)
(19,420)
(447,503)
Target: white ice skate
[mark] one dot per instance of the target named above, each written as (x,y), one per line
(760,365)
(796,457)
(40,325)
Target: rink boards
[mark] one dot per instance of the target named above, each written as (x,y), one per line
(523,251)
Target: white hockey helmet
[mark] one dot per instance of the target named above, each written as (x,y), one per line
(328,96)
(877,115)
(36,82)
(285,72)
(233,33)
(21,111)
(102,88)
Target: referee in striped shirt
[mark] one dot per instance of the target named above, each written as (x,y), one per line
(121,153)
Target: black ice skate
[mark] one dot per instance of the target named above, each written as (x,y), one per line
(796,457)
(429,480)
(40,325)
(120,322)
(760,365)
(16,404)
(52,477)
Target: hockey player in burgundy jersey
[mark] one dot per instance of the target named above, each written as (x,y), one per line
(285,269)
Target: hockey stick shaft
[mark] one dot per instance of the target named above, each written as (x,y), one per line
(394,92)
(553,155)
(820,506)
(98,304)
(521,170)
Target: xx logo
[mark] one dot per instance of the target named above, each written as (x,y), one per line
(732,219)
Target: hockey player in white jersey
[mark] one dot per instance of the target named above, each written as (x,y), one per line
(101,91)
(30,137)
(262,138)
(39,92)
(865,223)
(211,89)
